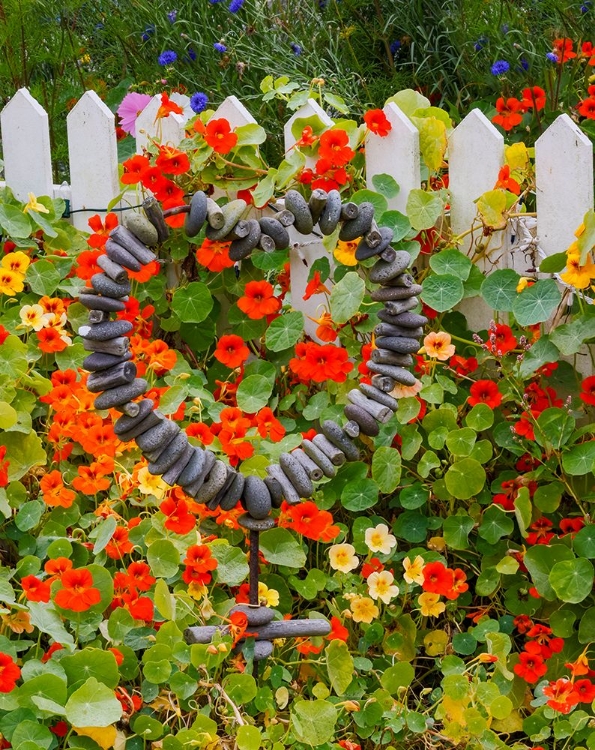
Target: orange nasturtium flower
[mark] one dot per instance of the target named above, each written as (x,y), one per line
(258,300)
(54,492)
(35,590)
(9,673)
(334,146)
(438,346)
(509,112)
(167,107)
(217,134)
(231,351)
(214,255)
(172,160)
(377,122)
(78,593)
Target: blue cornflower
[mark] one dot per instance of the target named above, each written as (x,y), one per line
(524,63)
(505,28)
(198,102)
(220,47)
(147,33)
(552,57)
(167,58)
(214,2)
(296,49)
(500,67)
(191,55)
(235,6)
(586,7)
(172,15)
(395,46)
(480,43)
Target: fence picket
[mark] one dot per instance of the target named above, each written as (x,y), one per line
(234,112)
(310,109)
(168,129)
(396,154)
(93,155)
(26,146)
(564,178)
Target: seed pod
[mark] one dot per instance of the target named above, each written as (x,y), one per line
(380,412)
(115,271)
(313,471)
(334,454)
(232,213)
(366,250)
(119,375)
(118,347)
(320,458)
(331,213)
(198,214)
(349,211)
(232,497)
(121,256)
(290,493)
(193,467)
(297,474)
(108,288)
(170,454)
(213,483)
(383,383)
(215,215)
(99,361)
(242,248)
(386,329)
(393,309)
(274,229)
(296,203)
(171,475)
(256,497)
(410,320)
(382,272)
(141,228)
(399,345)
(266,243)
(386,357)
(154,214)
(367,424)
(110,329)
(239,231)
(285,217)
(105,304)
(317,203)
(352,429)
(375,395)
(402,376)
(131,243)
(386,293)
(121,394)
(357,227)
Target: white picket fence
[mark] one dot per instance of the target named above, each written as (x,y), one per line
(563,158)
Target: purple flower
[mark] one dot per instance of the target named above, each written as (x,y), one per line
(296,49)
(198,102)
(130,108)
(214,2)
(500,67)
(220,47)
(167,58)
(395,47)
(235,6)
(172,15)
(552,57)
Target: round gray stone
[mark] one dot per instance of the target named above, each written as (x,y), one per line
(256,497)
(367,424)
(381,271)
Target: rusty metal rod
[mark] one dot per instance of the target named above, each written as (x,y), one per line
(276,629)
(253,563)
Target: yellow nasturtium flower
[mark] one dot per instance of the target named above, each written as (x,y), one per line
(364,609)
(430,604)
(35,205)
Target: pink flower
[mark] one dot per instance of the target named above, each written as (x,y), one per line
(130,108)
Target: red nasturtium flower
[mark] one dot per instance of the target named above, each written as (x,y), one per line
(49,340)
(168,107)
(119,545)
(199,563)
(214,255)
(534,98)
(140,576)
(179,519)
(561,695)
(3,467)
(586,108)
(562,48)
(9,673)
(77,593)
(315,286)
(268,425)
(530,667)
(485,392)
(334,146)
(320,362)
(501,340)
(172,160)
(587,393)
(218,135)
(231,351)
(377,122)
(258,300)
(509,112)
(35,590)
(100,229)
(438,579)
(54,492)
(134,168)
(506,182)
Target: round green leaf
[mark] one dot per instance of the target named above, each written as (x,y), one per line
(91,662)
(464,643)
(580,459)
(232,567)
(499,289)
(339,664)
(93,705)
(147,727)
(442,293)
(399,676)
(42,277)
(241,688)
(386,468)
(536,303)
(30,734)
(360,495)
(465,478)
(248,738)
(192,303)
(481,417)
(572,580)
(157,671)
(423,209)
(346,297)
(584,542)
(461,442)
(8,416)
(451,262)
(253,393)
(280,547)
(285,331)
(313,722)
(540,561)
(163,558)
(555,426)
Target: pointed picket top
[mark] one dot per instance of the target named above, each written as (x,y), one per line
(395,154)
(564,179)
(93,155)
(476,153)
(26,146)
(232,110)
(310,109)
(168,129)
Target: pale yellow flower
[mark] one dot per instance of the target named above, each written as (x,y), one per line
(17,262)
(197,590)
(406,391)
(364,609)
(206,609)
(35,205)
(33,316)
(345,253)
(414,570)
(150,484)
(342,557)
(378,539)
(430,604)
(381,586)
(438,346)
(266,596)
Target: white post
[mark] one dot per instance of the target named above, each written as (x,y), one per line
(232,110)
(564,178)
(168,129)
(26,146)
(395,154)
(93,155)
(310,109)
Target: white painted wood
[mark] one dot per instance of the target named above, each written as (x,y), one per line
(93,155)
(396,154)
(26,146)
(564,179)
(232,110)
(310,108)
(164,130)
